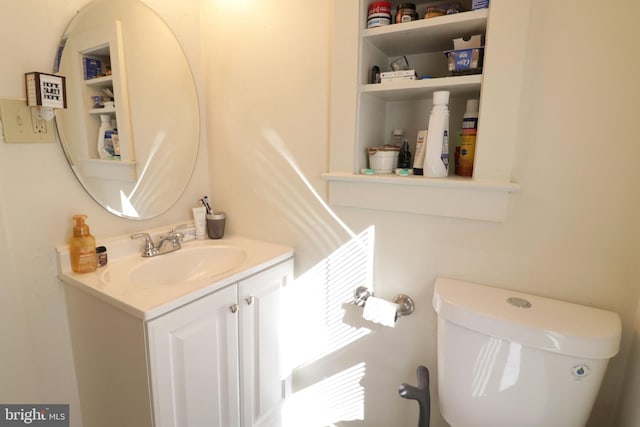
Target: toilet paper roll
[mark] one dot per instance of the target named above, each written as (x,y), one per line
(380,311)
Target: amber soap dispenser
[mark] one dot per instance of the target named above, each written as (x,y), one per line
(82,247)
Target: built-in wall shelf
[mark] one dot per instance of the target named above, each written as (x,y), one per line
(455,197)
(364,115)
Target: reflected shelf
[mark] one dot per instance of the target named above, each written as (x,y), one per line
(103,81)
(113,169)
(104,110)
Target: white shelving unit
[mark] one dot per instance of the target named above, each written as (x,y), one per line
(374,110)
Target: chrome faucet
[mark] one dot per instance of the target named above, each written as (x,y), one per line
(169,243)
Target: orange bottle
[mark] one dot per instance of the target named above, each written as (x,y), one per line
(82,247)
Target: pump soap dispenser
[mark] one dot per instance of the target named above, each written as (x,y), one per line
(82,247)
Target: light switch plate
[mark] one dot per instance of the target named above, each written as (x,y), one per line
(20,126)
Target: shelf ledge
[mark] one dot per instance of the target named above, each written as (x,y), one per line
(426,35)
(454,197)
(111,169)
(417,89)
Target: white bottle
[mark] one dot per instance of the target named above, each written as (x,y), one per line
(105,126)
(436,160)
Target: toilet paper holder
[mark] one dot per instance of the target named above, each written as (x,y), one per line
(405,303)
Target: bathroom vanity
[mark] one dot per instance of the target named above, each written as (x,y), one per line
(197,345)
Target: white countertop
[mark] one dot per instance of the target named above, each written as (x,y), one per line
(149,302)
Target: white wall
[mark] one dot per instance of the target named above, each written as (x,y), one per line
(571,233)
(38,195)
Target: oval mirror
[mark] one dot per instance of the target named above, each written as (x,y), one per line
(131,128)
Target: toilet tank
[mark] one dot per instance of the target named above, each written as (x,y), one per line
(510,359)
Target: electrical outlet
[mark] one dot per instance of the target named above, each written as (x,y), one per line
(39,126)
(20,126)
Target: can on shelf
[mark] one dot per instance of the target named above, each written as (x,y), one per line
(378,14)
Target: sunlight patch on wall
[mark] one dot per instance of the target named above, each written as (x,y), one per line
(314,302)
(337,398)
(314,319)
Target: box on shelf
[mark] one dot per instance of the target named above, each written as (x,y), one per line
(473,42)
(390,76)
(466,57)
(465,61)
(397,79)
(401,73)
(92,68)
(479,4)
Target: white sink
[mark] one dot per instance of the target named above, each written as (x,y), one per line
(149,287)
(184,266)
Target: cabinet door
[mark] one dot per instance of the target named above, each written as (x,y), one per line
(193,359)
(262,384)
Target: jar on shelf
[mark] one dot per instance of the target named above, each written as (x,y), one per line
(406,12)
(434,11)
(379,14)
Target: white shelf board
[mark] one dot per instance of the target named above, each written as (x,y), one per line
(426,35)
(418,89)
(454,197)
(103,81)
(105,110)
(120,170)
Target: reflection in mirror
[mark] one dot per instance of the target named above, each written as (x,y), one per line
(131,129)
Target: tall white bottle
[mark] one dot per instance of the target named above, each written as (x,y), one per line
(436,159)
(105,126)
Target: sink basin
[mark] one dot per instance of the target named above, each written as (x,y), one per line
(187,265)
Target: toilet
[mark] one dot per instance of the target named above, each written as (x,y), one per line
(508,359)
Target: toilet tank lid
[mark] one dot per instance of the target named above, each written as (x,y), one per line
(547,324)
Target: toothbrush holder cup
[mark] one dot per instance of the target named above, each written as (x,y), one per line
(215,225)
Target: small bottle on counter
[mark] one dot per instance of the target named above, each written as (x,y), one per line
(101,254)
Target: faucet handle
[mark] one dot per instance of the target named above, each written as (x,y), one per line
(174,231)
(149,247)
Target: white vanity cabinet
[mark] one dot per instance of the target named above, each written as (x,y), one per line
(210,357)
(216,361)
